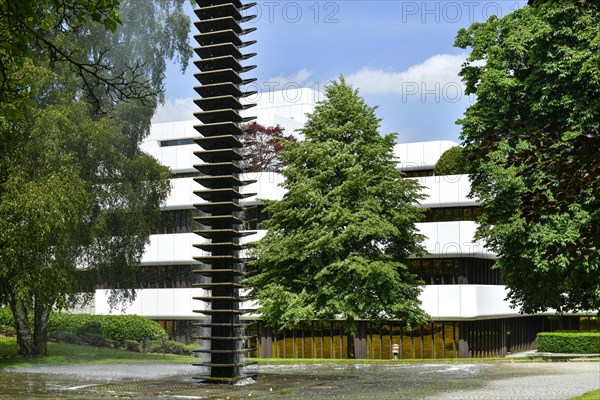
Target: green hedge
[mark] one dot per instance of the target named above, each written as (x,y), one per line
(110,327)
(157,346)
(573,343)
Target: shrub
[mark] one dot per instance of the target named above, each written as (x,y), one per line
(125,332)
(132,345)
(91,333)
(130,327)
(108,327)
(69,323)
(65,337)
(8,331)
(172,347)
(454,161)
(6,317)
(574,343)
(96,330)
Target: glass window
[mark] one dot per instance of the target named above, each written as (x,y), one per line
(437,272)
(418,173)
(452,214)
(427,269)
(175,221)
(251,215)
(468,214)
(428,217)
(449,271)
(176,142)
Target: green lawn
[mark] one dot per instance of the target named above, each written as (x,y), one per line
(63,353)
(593,395)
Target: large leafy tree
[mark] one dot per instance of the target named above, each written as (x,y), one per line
(533,136)
(28,26)
(76,192)
(338,242)
(94,39)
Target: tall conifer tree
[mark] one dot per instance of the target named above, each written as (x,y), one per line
(338,242)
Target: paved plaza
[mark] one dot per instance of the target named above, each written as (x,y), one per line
(488,381)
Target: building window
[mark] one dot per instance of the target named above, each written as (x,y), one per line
(446,214)
(451,271)
(176,221)
(194,174)
(180,330)
(166,276)
(589,324)
(254,216)
(161,277)
(418,173)
(176,142)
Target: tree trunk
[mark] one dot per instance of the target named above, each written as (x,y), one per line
(40,329)
(350,345)
(350,330)
(25,344)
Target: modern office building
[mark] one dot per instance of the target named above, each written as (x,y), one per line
(464,296)
(166,274)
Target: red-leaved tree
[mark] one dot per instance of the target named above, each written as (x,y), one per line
(264,146)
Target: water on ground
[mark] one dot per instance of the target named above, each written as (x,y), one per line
(488,381)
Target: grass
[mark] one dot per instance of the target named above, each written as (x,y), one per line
(593,395)
(63,353)
(276,361)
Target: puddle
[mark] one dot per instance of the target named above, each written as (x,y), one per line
(306,381)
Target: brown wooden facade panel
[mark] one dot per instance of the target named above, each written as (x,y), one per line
(435,340)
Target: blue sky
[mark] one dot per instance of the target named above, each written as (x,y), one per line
(399,54)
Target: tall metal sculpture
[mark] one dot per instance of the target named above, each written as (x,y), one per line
(220,52)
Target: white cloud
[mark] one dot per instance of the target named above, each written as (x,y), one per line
(175,110)
(434,74)
(298,78)
(182,109)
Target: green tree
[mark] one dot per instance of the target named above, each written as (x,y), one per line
(27,26)
(94,40)
(533,138)
(453,162)
(338,242)
(76,191)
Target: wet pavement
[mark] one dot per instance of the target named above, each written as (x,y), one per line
(497,380)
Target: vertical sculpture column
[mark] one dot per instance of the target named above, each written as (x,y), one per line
(222,162)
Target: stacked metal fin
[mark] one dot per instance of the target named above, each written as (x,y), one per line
(222,161)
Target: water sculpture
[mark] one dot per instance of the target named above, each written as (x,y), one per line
(220,49)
